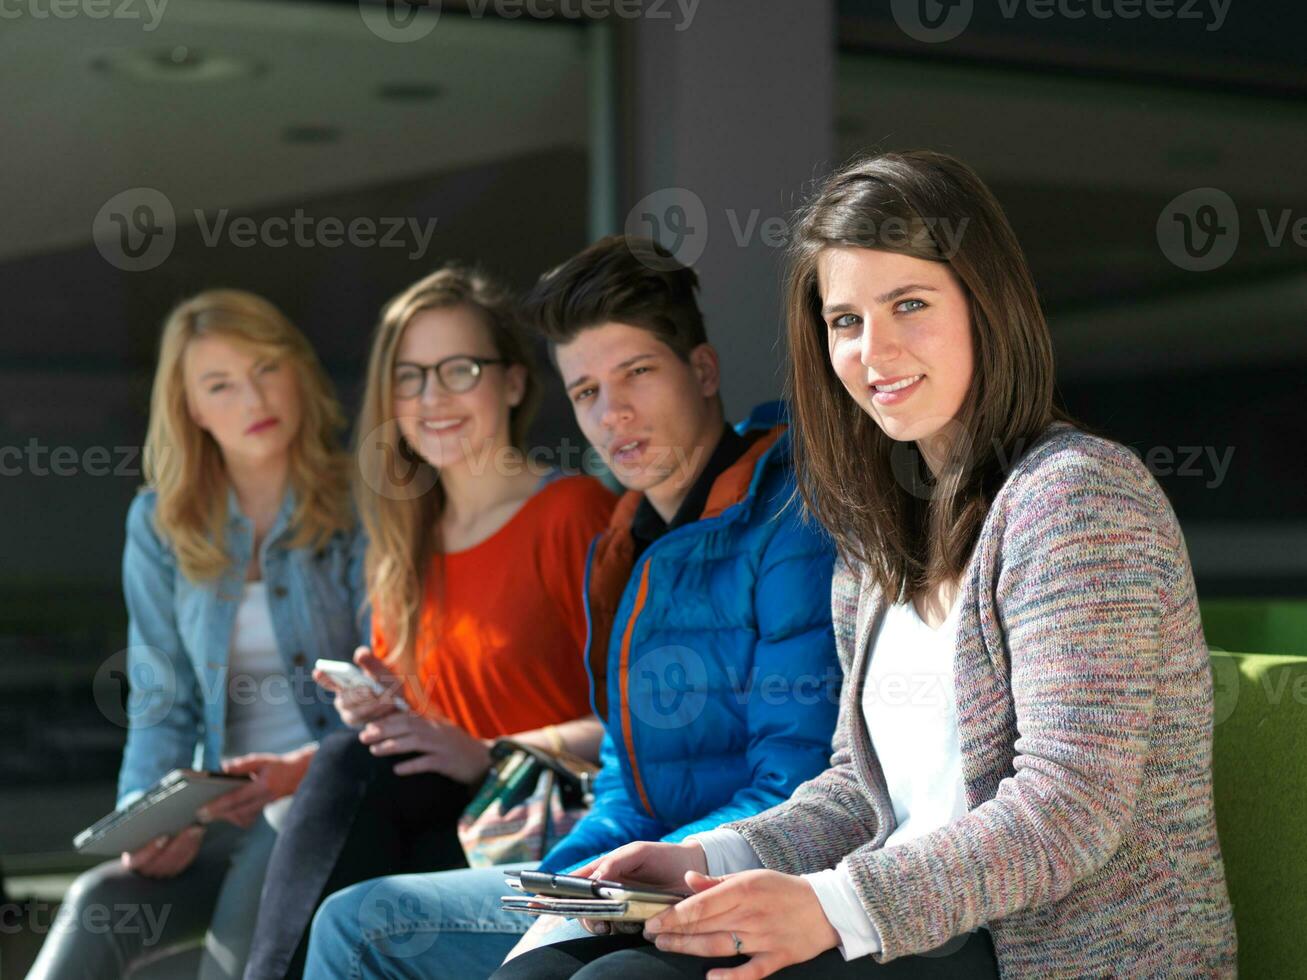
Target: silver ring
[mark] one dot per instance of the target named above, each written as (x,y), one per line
(738,944)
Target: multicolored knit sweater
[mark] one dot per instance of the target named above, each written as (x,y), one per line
(1084,703)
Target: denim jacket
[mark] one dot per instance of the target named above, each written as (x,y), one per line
(180,631)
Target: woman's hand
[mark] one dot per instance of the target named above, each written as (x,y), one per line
(165,857)
(441,745)
(272,777)
(777,918)
(649,863)
(357,705)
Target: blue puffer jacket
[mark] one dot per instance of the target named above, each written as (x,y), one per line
(711,659)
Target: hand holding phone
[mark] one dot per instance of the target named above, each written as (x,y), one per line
(362,695)
(575,886)
(663,866)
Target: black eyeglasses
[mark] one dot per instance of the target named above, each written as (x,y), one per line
(458,374)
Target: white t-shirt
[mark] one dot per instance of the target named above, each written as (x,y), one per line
(910,709)
(261,712)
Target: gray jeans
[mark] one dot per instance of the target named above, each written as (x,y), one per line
(113,921)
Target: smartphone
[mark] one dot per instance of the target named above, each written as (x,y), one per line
(575,886)
(350,675)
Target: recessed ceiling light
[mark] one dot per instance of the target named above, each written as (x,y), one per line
(408,91)
(179,63)
(310,134)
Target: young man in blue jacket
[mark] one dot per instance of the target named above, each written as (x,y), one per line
(710,653)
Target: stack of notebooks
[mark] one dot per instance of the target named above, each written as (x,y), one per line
(541,893)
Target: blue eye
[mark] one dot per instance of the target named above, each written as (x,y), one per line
(839,323)
(920,305)
(582,394)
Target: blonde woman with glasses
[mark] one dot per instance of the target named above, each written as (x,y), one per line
(242,565)
(476,572)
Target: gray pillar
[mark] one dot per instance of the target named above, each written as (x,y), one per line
(729,117)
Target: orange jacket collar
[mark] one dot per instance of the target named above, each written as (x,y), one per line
(614,553)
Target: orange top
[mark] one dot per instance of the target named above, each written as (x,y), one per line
(502,630)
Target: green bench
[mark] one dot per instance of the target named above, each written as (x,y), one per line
(1260,783)
(1265,625)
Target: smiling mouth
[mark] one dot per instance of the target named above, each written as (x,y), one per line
(441,426)
(899,385)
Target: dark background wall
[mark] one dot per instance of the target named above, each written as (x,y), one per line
(501,130)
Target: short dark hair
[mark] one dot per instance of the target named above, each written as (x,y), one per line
(622,279)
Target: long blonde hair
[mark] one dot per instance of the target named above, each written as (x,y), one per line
(402,515)
(184,464)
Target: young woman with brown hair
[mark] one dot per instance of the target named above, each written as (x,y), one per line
(1021,783)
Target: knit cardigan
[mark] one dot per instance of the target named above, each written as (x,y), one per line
(1084,702)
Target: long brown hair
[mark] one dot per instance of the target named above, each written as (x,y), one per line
(403,517)
(183,463)
(875,496)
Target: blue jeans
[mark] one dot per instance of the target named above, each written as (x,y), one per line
(427,926)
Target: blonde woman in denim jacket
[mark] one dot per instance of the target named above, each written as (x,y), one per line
(242,566)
